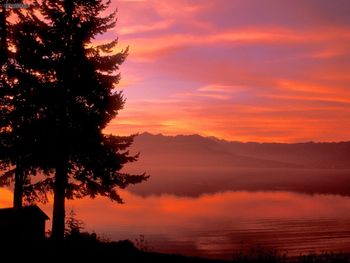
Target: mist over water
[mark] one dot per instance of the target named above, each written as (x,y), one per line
(204,199)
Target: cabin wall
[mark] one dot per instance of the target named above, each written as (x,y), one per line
(23,229)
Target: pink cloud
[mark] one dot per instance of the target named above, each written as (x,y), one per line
(280,75)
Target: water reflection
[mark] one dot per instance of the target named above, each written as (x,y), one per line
(217,224)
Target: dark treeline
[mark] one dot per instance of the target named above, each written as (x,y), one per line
(57,94)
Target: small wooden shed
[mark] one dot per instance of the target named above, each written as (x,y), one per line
(22,224)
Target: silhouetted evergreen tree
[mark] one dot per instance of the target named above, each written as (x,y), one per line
(23,89)
(3,86)
(4,101)
(58,95)
(78,101)
(8,81)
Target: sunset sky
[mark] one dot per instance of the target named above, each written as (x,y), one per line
(245,70)
(239,70)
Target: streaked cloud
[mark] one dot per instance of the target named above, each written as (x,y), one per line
(136,29)
(239,70)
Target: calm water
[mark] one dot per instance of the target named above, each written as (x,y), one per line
(217,225)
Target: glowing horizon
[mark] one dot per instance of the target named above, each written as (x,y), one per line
(237,70)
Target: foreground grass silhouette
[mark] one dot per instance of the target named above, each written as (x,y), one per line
(267,255)
(88,248)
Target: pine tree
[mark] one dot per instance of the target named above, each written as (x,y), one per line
(6,109)
(19,111)
(59,95)
(79,101)
(3,89)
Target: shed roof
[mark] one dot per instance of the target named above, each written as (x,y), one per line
(26,211)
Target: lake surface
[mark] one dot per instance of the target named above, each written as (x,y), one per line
(218,225)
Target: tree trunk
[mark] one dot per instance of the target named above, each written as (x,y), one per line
(18,191)
(59,202)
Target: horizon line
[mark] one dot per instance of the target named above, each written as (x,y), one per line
(237,141)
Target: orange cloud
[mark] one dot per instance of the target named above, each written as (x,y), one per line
(222,88)
(147,48)
(286,122)
(196,70)
(145,28)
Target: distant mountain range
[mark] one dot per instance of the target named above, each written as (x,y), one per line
(192,165)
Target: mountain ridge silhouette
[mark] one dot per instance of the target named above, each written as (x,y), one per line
(192,165)
(332,155)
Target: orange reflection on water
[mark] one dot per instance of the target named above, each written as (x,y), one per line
(211,223)
(169,209)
